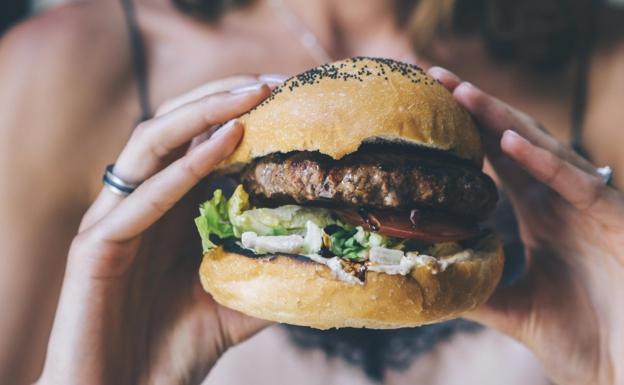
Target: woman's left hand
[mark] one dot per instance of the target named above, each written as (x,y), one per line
(131,310)
(568,307)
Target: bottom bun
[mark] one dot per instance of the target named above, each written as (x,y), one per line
(295,291)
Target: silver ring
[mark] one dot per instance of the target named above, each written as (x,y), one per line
(116,184)
(606,173)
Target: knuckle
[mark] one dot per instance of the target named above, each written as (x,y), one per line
(140,130)
(165,106)
(538,124)
(211,114)
(193,168)
(560,150)
(596,191)
(474,96)
(555,170)
(158,149)
(527,120)
(143,138)
(160,206)
(480,99)
(88,240)
(96,257)
(79,242)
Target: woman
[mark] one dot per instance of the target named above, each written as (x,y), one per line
(573,229)
(69,99)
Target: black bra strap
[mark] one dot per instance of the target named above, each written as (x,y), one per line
(139,62)
(579,101)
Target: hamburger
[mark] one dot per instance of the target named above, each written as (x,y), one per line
(359,201)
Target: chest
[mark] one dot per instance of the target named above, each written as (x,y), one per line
(499,361)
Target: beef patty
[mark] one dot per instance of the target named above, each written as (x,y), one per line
(396,180)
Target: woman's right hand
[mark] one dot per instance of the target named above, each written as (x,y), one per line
(132,309)
(568,307)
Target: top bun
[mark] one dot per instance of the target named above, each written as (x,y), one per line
(336,107)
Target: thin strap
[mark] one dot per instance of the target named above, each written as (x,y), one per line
(139,62)
(579,101)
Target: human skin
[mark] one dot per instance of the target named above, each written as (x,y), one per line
(572,227)
(565,308)
(123,316)
(68,104)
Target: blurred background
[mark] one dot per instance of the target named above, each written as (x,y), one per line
(543,70)
(13,11)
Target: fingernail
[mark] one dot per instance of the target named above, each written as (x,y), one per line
(468,85)
(247,88)
(273,78)
(436,71)
(511,135)
(225,128)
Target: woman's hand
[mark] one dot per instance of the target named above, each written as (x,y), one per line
(132,309)
(568,307)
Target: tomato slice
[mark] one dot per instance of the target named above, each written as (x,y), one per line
(411,224)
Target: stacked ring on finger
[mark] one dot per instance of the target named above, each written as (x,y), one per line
(606,173)
(115,184)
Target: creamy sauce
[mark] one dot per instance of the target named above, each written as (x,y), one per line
(335,265)
(291,244)
(438,265)
(404,267)
(463,255)
(384,256)
(380,259)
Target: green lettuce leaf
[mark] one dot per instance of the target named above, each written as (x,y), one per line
(234,216)
(238,202)
(354,242)
(213,219)
(345,245)
(226,218)
(283,220)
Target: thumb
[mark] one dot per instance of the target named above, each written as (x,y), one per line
(239,327)
(507,310)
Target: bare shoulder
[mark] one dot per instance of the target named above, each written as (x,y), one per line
(72,54)
(66,38)
(61,71)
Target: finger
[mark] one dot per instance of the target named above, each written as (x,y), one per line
(502,166)
(580,189)
(103,203)
(221,85)
(156,196)
(445,77)
(271,80)
(151,144)
(495,117)
(511,175)
(506,310)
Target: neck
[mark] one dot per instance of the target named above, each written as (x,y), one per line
(352,27)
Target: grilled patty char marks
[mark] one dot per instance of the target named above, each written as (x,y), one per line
(381,180)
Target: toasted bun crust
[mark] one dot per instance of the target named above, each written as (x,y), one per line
(335,107)
(289,290)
